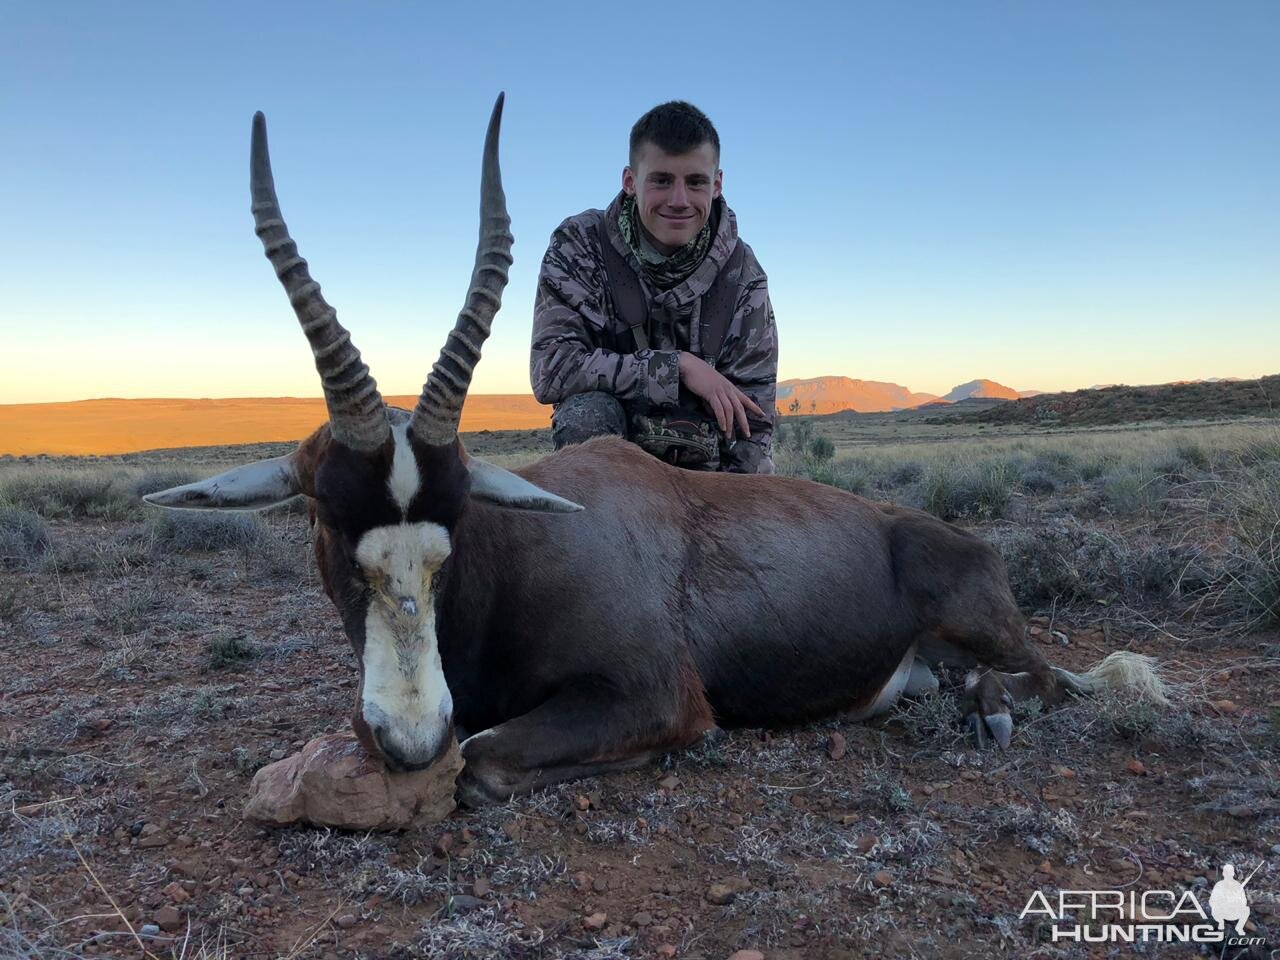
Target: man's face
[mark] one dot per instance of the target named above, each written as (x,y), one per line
(673,192)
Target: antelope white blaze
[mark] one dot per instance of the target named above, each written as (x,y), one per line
(405,698)
(405,481)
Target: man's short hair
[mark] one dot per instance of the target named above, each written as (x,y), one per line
(675,127)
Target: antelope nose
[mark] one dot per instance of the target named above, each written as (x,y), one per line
(409,606)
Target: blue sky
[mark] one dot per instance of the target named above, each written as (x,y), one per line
(1047,194)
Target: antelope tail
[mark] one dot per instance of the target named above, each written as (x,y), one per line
(1128,674)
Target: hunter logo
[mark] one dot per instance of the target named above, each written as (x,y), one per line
(1149,916)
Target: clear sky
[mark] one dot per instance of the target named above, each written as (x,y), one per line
(1048,194)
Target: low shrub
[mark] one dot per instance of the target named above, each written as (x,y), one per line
(24,536)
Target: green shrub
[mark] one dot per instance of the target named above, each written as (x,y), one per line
(229,651)
(844,474)
(904,473)
(24,536)
(822,449)
(953,490)
(1133,490)
(185,531)
(68,494)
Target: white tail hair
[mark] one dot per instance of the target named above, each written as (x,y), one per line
(1129,674)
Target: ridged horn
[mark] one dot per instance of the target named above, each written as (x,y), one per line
(435,419)
(357,415)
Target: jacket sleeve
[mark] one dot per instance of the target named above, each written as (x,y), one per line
(749,360)
(569,323)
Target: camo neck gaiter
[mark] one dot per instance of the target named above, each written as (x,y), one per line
(663,272)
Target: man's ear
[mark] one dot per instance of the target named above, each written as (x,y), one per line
(628,181)
(717,186)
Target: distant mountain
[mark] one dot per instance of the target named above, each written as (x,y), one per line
(833,394)
(1195,400)
(982,389)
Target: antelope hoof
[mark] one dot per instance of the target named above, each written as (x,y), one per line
(974,722)
(1001,727)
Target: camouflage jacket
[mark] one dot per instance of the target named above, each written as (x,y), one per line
(580,344)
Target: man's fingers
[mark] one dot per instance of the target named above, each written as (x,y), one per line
(740,414)
(750,404)
(718,408)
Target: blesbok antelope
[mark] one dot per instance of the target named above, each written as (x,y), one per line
(599,608)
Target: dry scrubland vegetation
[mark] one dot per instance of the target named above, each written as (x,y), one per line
(152,661)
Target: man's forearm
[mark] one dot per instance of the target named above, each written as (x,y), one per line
(561,368)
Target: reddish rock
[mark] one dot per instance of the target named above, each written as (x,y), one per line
(168,919)
(882,878)
(175,893)
(334,782)
(726,890)
(1135,767)
(836,746)
(595,922)
(746,955)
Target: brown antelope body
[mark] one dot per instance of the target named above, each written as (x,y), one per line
(599,607)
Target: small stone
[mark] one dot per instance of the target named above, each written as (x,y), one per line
(746,955)
(1242,811)
(148,830)
(669,782)
(346,921)
(866,843)
(443,845)
(1045,867)
(461,903)
(149,930)
(666,950)
(726,890)
(599,884)
(595,922)
(837,746)
(480,887)
(102,723)
(168,918)
(642,919)
(155,840)
(1135,767)
(582,802)
(1226,706)
(334,782)
(1066,773)
(175,893)
(882,878)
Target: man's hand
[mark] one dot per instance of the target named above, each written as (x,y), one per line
(727,402)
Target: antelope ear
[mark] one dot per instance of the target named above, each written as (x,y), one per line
(254,486)
(496,485)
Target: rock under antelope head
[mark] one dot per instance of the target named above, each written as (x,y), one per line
(387,486)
